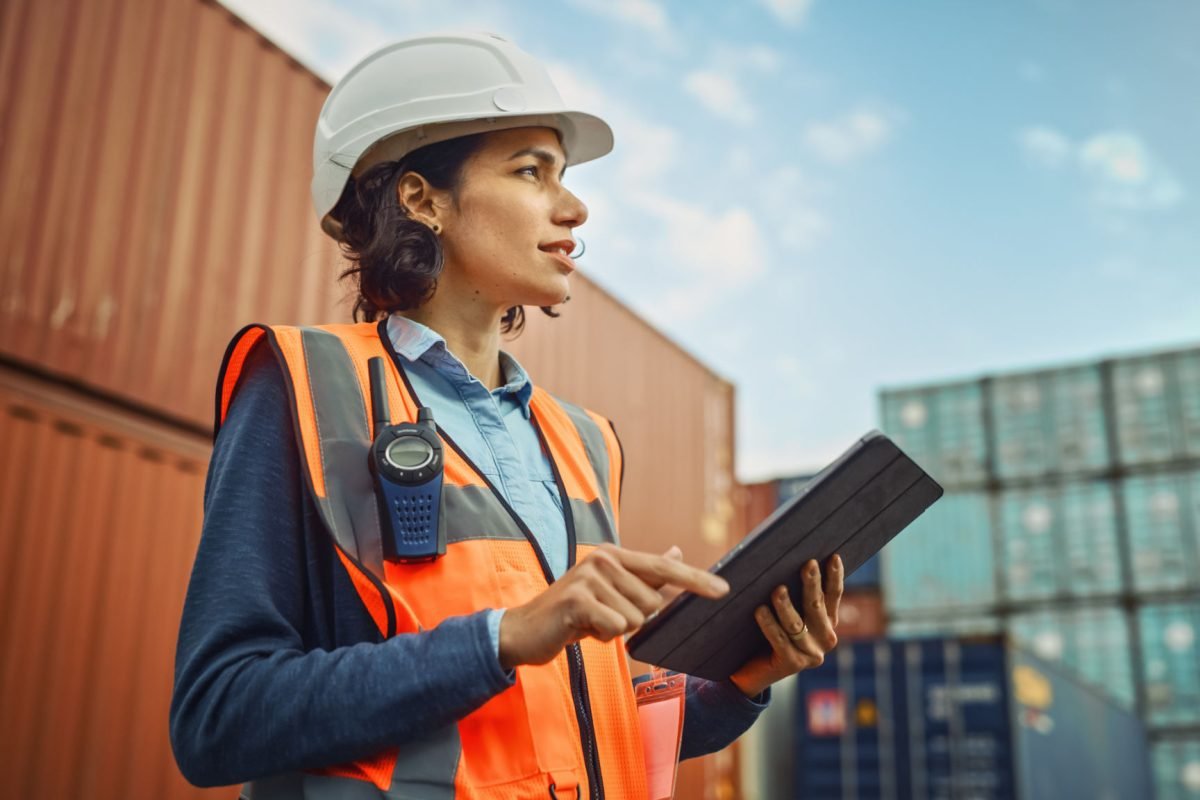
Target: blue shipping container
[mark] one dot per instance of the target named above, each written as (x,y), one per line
(935,719)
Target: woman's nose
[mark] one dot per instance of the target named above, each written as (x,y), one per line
(571,212)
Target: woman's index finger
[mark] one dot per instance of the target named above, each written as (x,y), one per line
(658,571)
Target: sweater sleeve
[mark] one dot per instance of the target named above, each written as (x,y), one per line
(260,687)
(716,713)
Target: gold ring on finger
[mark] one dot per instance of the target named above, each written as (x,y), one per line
(795,637)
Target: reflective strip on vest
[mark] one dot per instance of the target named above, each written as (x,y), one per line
(524,739)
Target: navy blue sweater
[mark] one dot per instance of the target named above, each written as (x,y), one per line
(279,667)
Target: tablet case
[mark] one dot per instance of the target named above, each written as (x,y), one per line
(853,507)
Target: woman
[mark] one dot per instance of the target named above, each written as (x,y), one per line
(314,659)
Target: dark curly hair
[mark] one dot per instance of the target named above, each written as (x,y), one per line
(396,259)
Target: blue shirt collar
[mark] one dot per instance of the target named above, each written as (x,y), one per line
(416,342)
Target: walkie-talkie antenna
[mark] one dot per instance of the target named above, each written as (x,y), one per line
(379,401)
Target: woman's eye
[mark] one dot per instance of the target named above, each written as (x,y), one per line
(530,170)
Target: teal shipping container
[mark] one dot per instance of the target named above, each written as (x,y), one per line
(1156,400)
(1048,423)
(941,428)
(1171,662)
(1059,542)
(957,625)
(1176,766)
(944,560)
(1163,513)
(1092,643)
(943,719)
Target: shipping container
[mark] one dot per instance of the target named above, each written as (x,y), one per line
(1149,406)
(1048,423)
(99,520)
(941,428)
(861,615)
(1163,513)
(156,195)
(1176,764)
(955,625)
(944,560)
(928,719)
(1171,662)
(1059,542)
(1092,642)
(1187,365)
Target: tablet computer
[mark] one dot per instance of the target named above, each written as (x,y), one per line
(853,507)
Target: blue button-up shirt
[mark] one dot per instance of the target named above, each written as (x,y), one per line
(493,428)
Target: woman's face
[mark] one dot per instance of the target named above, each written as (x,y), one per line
(508,234)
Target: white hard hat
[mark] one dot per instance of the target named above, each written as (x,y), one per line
(432,88)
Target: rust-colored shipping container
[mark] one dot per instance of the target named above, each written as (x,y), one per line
(861,615)
(99,519)
(155,199)
(155,172)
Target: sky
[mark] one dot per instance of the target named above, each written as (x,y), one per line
(820,199)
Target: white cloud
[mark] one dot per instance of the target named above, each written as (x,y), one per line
(789,12)
(720,94)
(1121,172)
(646,16)
(850,137)
(707,251)
(1045,145)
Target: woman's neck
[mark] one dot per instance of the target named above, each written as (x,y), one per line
(471,330)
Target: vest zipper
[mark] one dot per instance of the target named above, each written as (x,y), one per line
(587,732)
(575,666)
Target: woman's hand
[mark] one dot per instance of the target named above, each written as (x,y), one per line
(608,594)
(799,639)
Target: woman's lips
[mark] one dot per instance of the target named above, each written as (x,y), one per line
(562,258)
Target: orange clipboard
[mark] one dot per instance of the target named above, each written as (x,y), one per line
(660,704)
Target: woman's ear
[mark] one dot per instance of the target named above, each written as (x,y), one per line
(416,196)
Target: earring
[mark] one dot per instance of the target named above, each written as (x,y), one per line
(436,228)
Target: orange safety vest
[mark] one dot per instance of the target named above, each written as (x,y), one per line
(566,729)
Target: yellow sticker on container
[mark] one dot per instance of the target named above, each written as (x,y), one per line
(1032,687)
(866,713)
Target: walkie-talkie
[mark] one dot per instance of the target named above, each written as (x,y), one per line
(406,462)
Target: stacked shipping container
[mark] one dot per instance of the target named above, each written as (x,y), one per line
(933,719)
(156,199)
(1071,522)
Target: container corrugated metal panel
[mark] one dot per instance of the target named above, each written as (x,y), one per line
(950,719)
(755,502)
(861,615)
(177,143)
(941,428)
(1049,423)
(99,519)
(957,625)
(1187,365)
(1163,513)
(1059,541)
(1093,642)
(944,559)
(1177,768)
(1147,399)
(1171,662)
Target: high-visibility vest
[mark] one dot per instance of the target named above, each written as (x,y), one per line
(566,729)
